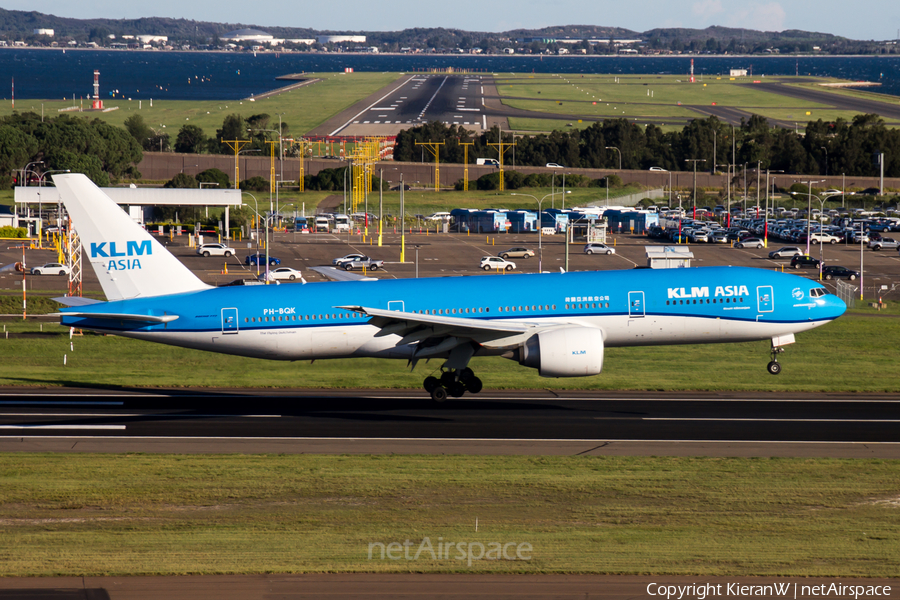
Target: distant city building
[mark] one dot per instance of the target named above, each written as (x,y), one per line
(47,32)
(150,39)
(738,72)
(255,36)
(340,39)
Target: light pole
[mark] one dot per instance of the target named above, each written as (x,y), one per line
(766,215)
(25,172)
(808,210)
(694,193)
(402,222)
(41,185)
(821,212)
(620,154)
(826,159)
(540,229)
(259,217)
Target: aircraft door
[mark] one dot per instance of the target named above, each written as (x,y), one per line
(765,299)
(229,320)
(396,305)
(635,304)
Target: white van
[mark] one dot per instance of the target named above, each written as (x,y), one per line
(341,223)
(488,162)
(322,225)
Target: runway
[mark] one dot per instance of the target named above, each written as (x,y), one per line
(494,422)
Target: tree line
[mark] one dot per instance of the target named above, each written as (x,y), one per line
(826,147)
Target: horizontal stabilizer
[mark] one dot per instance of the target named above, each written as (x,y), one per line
(118,317)
(76,301)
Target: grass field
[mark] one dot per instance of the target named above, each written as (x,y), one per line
(851,347)
(303,109)
(82,514)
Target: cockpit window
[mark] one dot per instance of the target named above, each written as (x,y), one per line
(817,292)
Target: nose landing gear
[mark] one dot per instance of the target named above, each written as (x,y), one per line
(774,367)
(453,382)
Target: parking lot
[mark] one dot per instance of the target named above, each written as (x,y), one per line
(448,255)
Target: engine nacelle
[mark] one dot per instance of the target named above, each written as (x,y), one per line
(564,352)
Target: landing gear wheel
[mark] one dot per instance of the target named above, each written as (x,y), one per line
(466,374)
(431,383)
(439,394)
(473,385)
(774,367)
(448,378)
(457,389)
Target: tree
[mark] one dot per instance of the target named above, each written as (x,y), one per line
(190,140)
(255,184)
(139,130)
(181,180)
(16,149)
(214,176)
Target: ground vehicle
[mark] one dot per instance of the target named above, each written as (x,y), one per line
(282,273)
(341,223)
(260,259)
(348,257)
(822,238)
(301,224)
(831,192)
(750,243)
(882,243)
(517,252)
(489,263)
(438,216)
(488,162)
(215,250)
(598,248)
(786,252)
(364,262)
(554,166)
(803,260)
(322,225)
(242,282)
(51,269)
(836,272)
(658,169)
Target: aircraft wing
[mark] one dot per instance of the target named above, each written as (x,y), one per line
(336,274)
(439,334)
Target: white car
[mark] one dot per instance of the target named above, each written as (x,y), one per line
(658,169)
(215,250)
(554,166)
(281,273)
(495,263)
(823,238)
(51,269)
(598,248)
(438,216)
(348,258)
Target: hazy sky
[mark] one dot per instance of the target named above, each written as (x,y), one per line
(873,19)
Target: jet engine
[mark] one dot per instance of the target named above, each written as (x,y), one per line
(563,352)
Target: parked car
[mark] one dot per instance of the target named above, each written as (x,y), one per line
(282,273)
(215,250)
(750,243)
(364,262)
(836,272)
(242,282)
(823,238)
(554,166)
(803,260)
(51,269)
(260,259)
(340,261)
(786,252)
(658,169)
(517,252)
(882,243)
(598,248)
(495,263)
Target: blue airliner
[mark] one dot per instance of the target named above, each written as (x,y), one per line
(556,323)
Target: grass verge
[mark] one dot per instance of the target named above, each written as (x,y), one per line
(171,514)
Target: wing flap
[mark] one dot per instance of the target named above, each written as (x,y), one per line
(118,317)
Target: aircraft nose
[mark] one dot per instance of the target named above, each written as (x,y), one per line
(834,306)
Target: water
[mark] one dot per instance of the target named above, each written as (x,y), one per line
(45,74)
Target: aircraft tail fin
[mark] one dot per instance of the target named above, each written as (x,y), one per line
(129,262)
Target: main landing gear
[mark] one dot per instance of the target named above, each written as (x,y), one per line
(453,382)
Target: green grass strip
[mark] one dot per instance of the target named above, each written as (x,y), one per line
(170,514)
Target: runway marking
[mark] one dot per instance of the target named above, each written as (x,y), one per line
(390,439)
(109,427)
(436,92)
(123,415)
(67,402)
(756,420)
(383,108)
(335,132)
(470,109)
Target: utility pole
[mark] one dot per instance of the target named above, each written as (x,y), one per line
(465,146)
(695,161)
(236,146)
(435,149)
(501,148)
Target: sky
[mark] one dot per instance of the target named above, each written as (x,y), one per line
(874,20)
